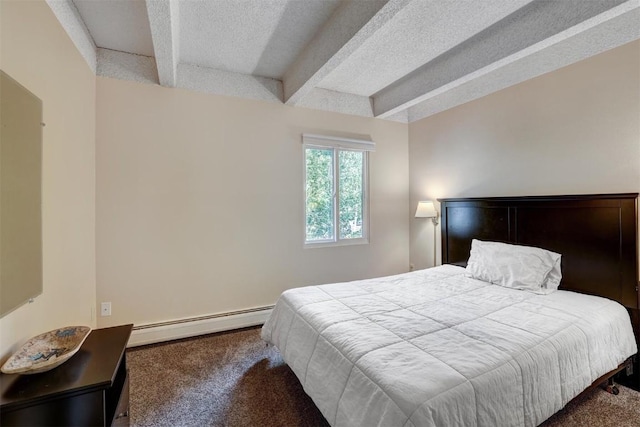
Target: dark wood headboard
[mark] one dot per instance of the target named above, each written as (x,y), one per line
(597,236)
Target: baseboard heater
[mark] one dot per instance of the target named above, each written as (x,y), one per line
(151,333)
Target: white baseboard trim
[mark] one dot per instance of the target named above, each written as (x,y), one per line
(184,328)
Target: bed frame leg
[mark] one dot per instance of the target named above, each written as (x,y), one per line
(610,387)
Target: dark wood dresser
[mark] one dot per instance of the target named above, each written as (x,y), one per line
(90,389)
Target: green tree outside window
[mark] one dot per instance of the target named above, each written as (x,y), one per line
(335,194)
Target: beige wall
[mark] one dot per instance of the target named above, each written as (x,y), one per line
(200,202)
(37,53)
(573,131)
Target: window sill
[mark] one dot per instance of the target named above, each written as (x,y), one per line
(346,242)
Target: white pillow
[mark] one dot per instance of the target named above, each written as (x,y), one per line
(514,266)
(555,276)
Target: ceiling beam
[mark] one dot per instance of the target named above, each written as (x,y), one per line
(226,83)
(164,23)
(347,29)
(532,29)
(126,66)
(611,33)
(337,102)
(73,24)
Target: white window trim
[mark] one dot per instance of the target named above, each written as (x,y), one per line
(338,142)
(342,144)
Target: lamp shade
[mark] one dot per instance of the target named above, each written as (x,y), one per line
(426,210)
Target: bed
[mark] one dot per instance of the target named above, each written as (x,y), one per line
(436,347)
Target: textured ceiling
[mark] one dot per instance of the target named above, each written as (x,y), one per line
(237,36)
(394,59)
(118,25)
(419,33)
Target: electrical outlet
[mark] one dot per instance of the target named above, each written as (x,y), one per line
(105,309)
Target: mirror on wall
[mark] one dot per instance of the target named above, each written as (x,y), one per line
(20,195)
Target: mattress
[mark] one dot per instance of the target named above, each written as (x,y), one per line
(437,348)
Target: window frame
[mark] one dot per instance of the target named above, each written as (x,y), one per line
(337,241)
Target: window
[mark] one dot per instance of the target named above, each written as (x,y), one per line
(336,193)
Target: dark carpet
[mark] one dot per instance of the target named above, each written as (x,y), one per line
(234,379)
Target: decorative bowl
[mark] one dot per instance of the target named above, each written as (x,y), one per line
(46,351)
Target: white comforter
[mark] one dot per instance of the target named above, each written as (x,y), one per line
(436,348)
